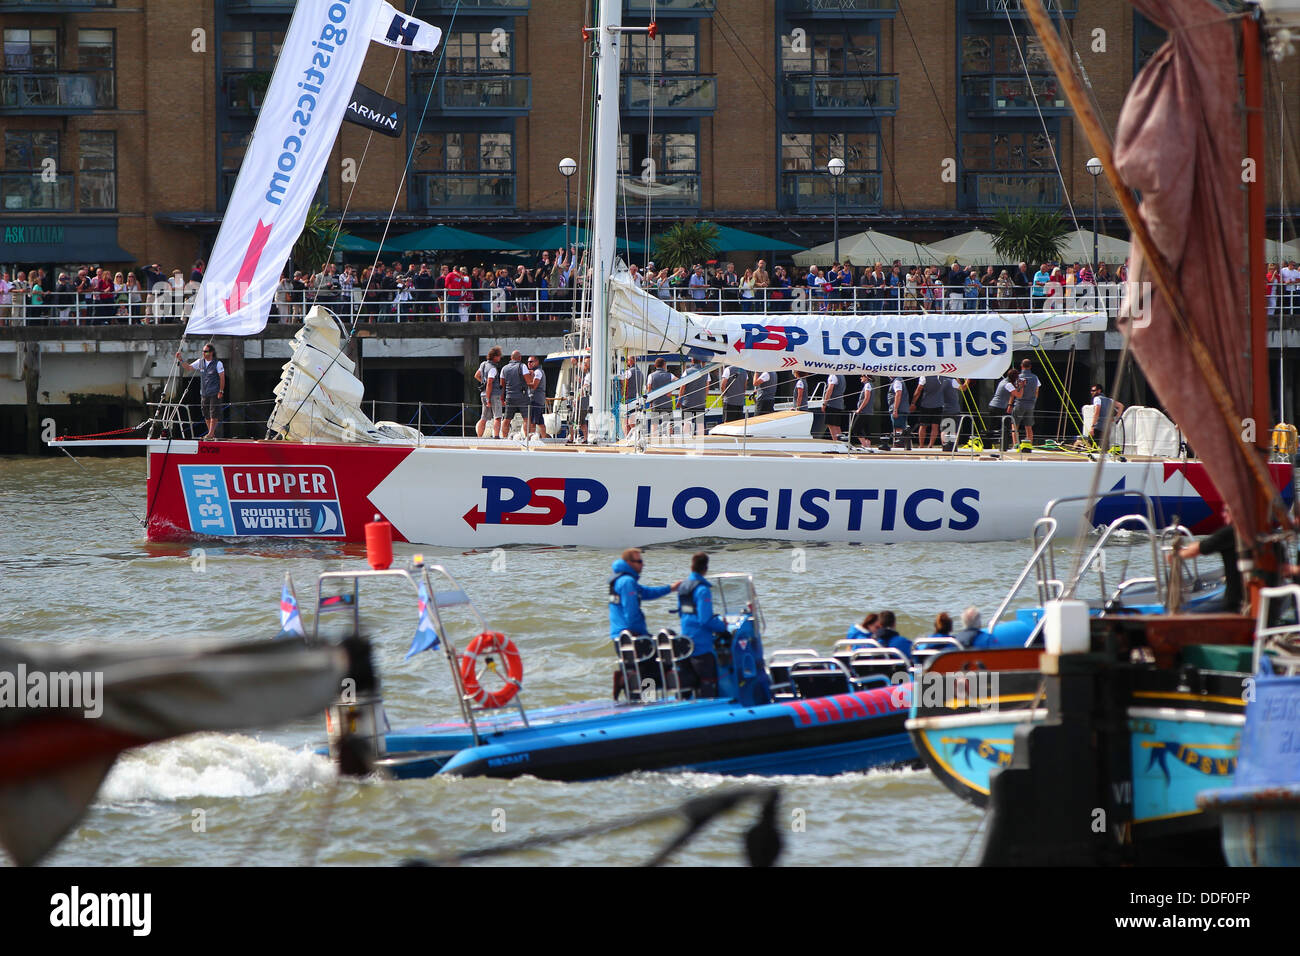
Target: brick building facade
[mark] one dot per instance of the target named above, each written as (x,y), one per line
(124,120)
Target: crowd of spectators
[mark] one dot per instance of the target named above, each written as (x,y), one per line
(422,291)
(426,292)
(94,295)
(843,287)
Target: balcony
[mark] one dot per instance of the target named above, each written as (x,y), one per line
(500,95)
(1000,8)
(812,192)
(805,9)
(463,191)
(472,8)
(841,95)
(993,191)
(1014,95)
(56,93)
(671,95)
(53,6)
(28,192)
(668,8)
(668,191)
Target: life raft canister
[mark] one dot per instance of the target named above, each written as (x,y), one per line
(491,644)
(1284,439)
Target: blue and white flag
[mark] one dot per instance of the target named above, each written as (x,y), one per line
(395,28)
(426,638)
(290,619)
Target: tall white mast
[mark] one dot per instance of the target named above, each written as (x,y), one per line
(605,205)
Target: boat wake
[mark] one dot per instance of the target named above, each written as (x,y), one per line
(212,765)
(694,780)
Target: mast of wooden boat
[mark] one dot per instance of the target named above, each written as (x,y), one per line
(1256,224)
(604,207)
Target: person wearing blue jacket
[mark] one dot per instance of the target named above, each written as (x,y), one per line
(700,624)
(881,627)
(626,594)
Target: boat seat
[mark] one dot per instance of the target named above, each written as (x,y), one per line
(670,648)
(778,669)
(844,650)
(819,677)
(924,648)
(877,662)
(639,661)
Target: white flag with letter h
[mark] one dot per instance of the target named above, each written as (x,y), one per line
(394,28)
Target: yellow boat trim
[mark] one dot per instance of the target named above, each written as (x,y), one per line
(1168,816)
(1177,695)
(983,701)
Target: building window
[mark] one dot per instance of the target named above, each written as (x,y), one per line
(97,170)
(28,51)
(805,152)
(1010,170)
(465,152)
(247,60)
(31,177)
(95,56)
(250,50)
(1147,38)
(663,169)
(464,170)
(1010,152)
(831,54)
(805,183)
(28,149)
(666,53)
(670,152)
(470,52)
(984,53)
(233,146)
(95,49)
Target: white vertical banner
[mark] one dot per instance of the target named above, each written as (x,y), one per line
(300,117)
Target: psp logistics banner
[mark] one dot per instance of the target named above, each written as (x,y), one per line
(967,346)
(304,107)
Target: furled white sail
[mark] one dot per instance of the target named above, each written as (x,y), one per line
(963,344)
(318,397)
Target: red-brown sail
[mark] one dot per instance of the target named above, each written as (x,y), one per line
(1179,144)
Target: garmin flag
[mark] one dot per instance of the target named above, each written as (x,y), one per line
(394,28)
(373,110)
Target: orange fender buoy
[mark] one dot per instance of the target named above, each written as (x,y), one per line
(491,642)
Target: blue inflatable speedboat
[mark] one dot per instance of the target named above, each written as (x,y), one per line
(807,714)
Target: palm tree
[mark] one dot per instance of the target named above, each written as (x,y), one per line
(1029,235)
(319,233)
(685,244)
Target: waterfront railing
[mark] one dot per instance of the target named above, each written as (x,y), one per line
(172,305)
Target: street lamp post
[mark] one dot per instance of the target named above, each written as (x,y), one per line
(568,167)
(1094,167)
(836,168)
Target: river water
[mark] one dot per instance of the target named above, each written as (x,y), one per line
(75,569)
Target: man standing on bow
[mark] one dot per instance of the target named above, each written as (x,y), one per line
(212,387)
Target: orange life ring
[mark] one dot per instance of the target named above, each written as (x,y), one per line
(491,642)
